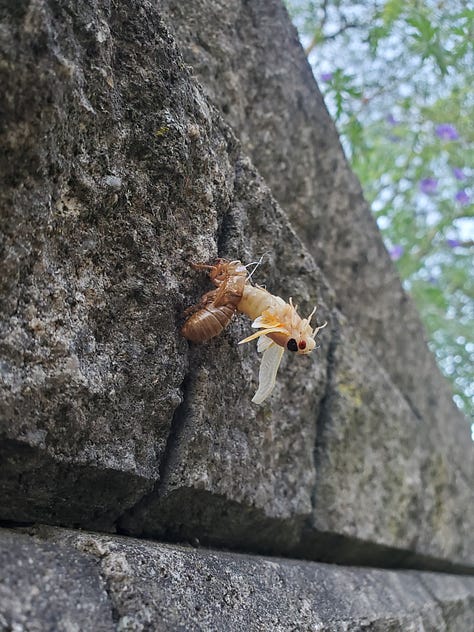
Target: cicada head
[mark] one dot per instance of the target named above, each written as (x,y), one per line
(301,336)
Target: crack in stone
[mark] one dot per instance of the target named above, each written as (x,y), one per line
(107,584)
(168,457)
(178,422)
(335,548)
(174,436)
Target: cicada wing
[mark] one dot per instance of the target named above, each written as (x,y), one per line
(263,343)
(268,370)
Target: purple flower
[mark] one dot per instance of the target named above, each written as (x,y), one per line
(462,197)
(391,120)
(396,252)
(446,131)
(326,77)
(428,185)
(453,243)
(459,173)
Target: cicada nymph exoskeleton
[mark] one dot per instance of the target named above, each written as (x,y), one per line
(279,324)
(214,312)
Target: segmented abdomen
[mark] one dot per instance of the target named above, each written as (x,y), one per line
(208,322)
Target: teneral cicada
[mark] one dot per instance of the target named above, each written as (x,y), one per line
(279,324)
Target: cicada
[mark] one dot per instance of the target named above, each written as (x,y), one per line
(279,324)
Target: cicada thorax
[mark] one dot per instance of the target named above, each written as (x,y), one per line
(216,308)
(277,319)
(257,300)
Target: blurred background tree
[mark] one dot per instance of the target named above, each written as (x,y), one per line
(398,77)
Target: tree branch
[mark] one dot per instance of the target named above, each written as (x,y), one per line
(320,37)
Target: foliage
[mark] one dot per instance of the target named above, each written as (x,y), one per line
(397,76)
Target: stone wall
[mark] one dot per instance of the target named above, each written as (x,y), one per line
(136,141)
(73,580)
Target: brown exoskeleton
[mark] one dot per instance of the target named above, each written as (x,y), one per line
(214,312)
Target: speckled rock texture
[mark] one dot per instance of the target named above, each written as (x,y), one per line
(273,104)
(144,586)
(118,171)
(45,587)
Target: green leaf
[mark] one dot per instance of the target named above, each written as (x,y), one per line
(413,60)
(391,11)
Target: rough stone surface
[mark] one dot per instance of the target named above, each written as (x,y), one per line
(226,456)
(162,587)
(117,172)
(50,588)
(408,494)
(371,447)
(251,64)
(114,176)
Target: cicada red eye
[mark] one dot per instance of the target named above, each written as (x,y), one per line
(302,344)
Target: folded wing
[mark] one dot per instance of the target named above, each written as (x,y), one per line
(268,368)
